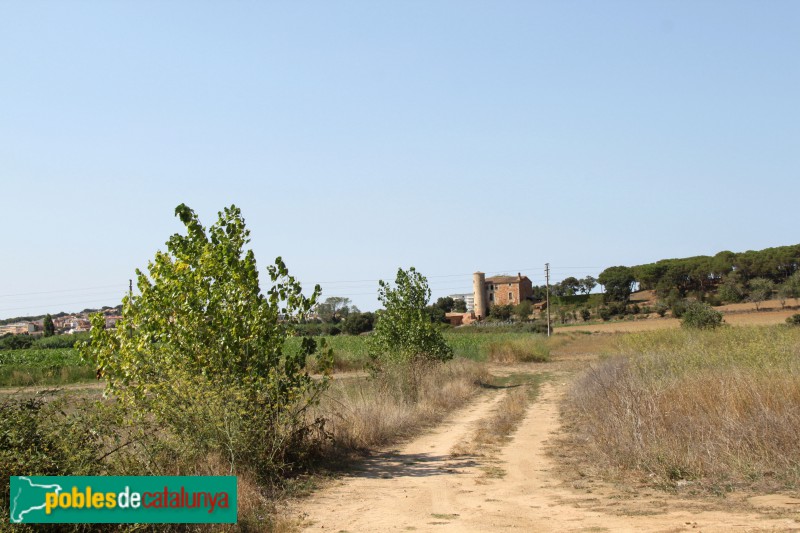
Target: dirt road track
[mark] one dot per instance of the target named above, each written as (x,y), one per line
(420,487)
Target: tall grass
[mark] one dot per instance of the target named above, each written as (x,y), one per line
(713,406)
(533,348)
(365,413)
(486,345)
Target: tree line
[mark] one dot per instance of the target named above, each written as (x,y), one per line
(731,276)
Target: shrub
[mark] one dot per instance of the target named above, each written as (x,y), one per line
(357,323)
(699,315)
(586,314)
(523,310)
(404,332)
(605,313)
(678,307)
(794,320)
(201,350)
(618,308)
(501,312)
(661,309)
(60,341)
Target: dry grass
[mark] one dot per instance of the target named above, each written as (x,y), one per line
(718,408)
(495,429)
(533,348)
(366,413)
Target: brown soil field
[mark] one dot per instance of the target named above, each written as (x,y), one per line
(738,316)
(527,483)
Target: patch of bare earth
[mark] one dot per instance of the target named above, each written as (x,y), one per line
(528,481)
(745,315)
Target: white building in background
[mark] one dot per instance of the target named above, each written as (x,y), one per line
(468,299)
(18,328)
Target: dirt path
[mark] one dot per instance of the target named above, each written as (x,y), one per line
(420,487)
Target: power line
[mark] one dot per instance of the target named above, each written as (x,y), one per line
(60,290)
(51,305)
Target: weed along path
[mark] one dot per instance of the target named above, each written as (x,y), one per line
(455,479)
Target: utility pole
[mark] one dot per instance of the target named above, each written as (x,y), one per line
(547,281)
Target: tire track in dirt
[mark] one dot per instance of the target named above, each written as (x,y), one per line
(420,487)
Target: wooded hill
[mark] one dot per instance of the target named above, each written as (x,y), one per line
(702,274)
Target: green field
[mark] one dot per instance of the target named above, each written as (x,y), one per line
(37,366)
(63,365)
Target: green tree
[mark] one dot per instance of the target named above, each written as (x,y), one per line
(792,285)
(404,332)
(570,285)
(501,312)
(358,323)
(588,284)
(445,303)
(48,326)
(731,289)
(618,283)
(333,309)
(459,306)
(201,348)
(523,310)
(699,315)
(760,290)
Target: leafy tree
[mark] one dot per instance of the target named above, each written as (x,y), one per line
(201,348)
(48,326)
(358,323)
(403,331)
(588,284)
(784,293)
(501,312)
(586,314)
(445,303)
(436,314)
(699,315)
(459,306)
(333,309)
(678,307)
(792,285)
(523,310)
(731,289)
(618,282)
(760,290)
(570,286)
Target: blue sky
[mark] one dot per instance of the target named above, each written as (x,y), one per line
(358,137)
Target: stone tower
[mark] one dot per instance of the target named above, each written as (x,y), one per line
(479,290)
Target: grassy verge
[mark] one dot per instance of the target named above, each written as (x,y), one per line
(712,409)
(373,412)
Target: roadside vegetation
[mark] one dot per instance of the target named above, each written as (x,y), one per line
(206,374)
(708,408)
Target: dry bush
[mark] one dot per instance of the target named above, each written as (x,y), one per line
(713,406)
(373,412)
(520,350)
